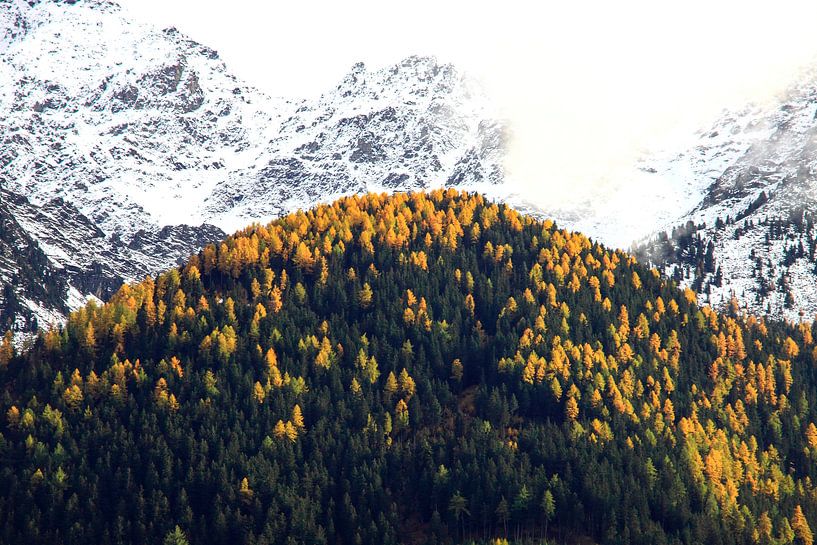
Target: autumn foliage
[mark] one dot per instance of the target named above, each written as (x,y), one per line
(433,358)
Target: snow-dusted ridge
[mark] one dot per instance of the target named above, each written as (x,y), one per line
(121,135)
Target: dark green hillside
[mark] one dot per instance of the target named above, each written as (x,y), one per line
(425,368)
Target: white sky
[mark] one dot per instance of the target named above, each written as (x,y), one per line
(585,85)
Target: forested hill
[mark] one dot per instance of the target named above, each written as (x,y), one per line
(416,368)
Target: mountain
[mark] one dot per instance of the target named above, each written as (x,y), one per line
(751,234)
(415,368)
(140,133)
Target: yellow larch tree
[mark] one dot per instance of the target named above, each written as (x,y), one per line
(297,417)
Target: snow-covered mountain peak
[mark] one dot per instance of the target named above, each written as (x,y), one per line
(153,125)
(413,125)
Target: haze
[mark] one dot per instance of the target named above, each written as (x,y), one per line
(586,86)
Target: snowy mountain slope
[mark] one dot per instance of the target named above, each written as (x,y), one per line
(754,219)
(98,266)
(126,122)
(414,125)
(140,133)
(33,288)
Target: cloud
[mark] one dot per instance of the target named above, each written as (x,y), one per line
(588,86)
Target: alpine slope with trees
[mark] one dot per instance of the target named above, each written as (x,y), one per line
(748,230)
(414,368)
